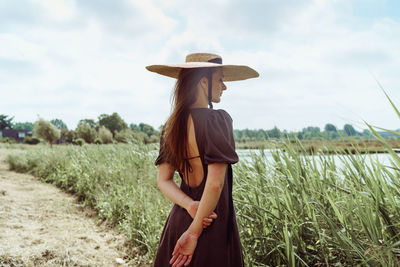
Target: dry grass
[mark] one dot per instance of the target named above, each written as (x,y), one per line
(42,226)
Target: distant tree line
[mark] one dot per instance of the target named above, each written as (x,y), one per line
(330,132)
(106,129)
(111,128)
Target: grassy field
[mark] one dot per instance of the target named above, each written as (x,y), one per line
(292,210)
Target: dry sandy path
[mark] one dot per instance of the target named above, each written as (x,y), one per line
(40,225)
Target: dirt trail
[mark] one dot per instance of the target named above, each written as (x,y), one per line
(42,226)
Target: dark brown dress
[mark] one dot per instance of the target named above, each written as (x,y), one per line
(219,244)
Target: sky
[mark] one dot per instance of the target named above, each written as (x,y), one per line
(319,61)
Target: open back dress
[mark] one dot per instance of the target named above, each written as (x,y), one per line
(219,244)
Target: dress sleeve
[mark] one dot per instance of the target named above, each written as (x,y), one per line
(160,158)
(219,141)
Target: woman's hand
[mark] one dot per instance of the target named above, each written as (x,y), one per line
(184,249)
(192,209)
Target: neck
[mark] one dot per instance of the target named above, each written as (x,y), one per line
(199,106)
(201,100)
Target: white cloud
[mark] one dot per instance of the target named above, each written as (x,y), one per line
(314,73)
(58,9)
(74,60)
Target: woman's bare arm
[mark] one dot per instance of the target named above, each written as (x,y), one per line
(186,244)
(211,194)
(167,185)
(171,190)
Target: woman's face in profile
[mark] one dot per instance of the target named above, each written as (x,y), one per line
(217,85)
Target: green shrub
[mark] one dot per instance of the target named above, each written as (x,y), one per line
(86,132)
(141,137)
(151,139)
(31,140)
(125,136)
(46,130)
(98,141)
(105,135)
(8,140)
(17,163)
(68,135)
(78,141)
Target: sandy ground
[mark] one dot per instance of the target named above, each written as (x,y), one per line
(40,225)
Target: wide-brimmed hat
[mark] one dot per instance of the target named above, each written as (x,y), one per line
(206,60)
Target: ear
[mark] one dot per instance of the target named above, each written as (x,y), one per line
(204,84)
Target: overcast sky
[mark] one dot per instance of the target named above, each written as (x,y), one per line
(317,59)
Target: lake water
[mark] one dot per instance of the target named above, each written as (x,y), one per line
(245,155)
(385,158)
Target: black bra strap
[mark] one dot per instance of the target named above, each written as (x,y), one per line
(188,167)
(193,157)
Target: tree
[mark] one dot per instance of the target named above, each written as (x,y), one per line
(5,122)
(147,129)
(59,124)
(46,130)
(261,135)
(333,135)
(367,133)
(349,130)
(330,128)
(274,133)
(236,133)
(105,135)
(89,122)
(27,126)
(312,129)
(127,135)
(113,122)
(67,135)
(86,132)
(136,128)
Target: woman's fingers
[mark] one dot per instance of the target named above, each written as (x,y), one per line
(173,259)
(185,246)
(188,260)
(177,260)
(176,249)
(213,215)
(205,224)
(181,261)
(207,221)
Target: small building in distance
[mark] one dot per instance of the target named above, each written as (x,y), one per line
(18,135)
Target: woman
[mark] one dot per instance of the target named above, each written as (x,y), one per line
(198,142)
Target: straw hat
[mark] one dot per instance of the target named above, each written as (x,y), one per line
(202,60)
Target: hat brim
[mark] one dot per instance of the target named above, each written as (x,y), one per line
(231,72)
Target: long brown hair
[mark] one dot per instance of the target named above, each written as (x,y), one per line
(175,129)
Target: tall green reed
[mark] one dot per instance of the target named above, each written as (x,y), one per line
(300,210)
